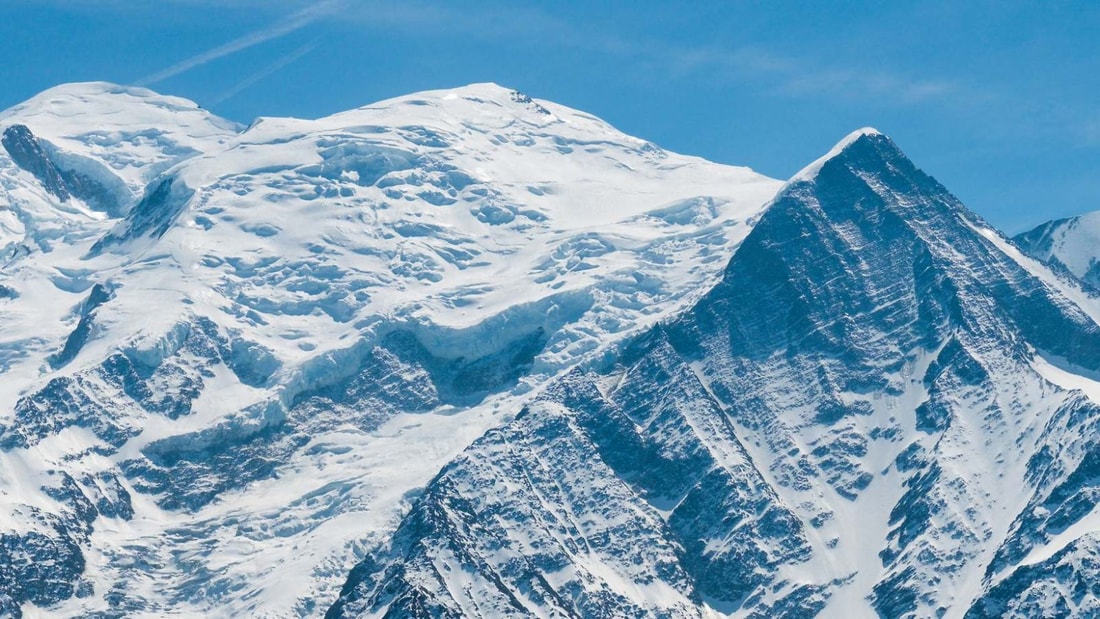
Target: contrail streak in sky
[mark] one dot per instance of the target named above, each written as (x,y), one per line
(266,71)
(294,22)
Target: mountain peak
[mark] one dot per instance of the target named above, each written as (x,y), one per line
(484,91)
(481,105)
(477,94)
(867,162)
(809,172)
(134,132)
(94,99)
(1070,243)
(95,87)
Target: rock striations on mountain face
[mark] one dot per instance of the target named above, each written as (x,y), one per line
(883,409)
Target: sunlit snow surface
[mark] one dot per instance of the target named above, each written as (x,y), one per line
(468,353)
(1072,243)
(257,267)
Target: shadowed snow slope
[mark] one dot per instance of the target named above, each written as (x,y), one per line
(233,356)
(882,410)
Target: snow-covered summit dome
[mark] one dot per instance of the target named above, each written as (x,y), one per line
(134,131)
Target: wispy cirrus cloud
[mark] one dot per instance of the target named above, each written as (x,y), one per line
(293,22)
(792,77)
(782,74)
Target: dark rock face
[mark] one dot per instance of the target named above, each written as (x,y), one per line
(601,478)
(76,340)
(39,569)
(856,400)
(1038,240)
(111,400)
(1063,585)
(153,215)
(44,566)
(28,153)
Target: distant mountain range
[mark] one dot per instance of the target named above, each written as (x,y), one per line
(1072,244)
(468,354)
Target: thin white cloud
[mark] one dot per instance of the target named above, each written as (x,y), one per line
(272,68)
(854,84)
(784,75)
(295,21)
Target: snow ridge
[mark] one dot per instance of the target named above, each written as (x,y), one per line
(281,313)
(468,353)
(809,173)
(1069,244)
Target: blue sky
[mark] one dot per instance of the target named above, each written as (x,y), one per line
(998,100)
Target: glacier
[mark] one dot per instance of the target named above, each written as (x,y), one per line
(280,332)
(465,353)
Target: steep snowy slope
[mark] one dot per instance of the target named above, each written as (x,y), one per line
(72,163)
(73,160)
(218,393)
(1073,244)
(883,409)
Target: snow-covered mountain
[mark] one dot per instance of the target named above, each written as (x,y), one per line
(883,409)
(1072,244)
(467,354)
(232,356)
